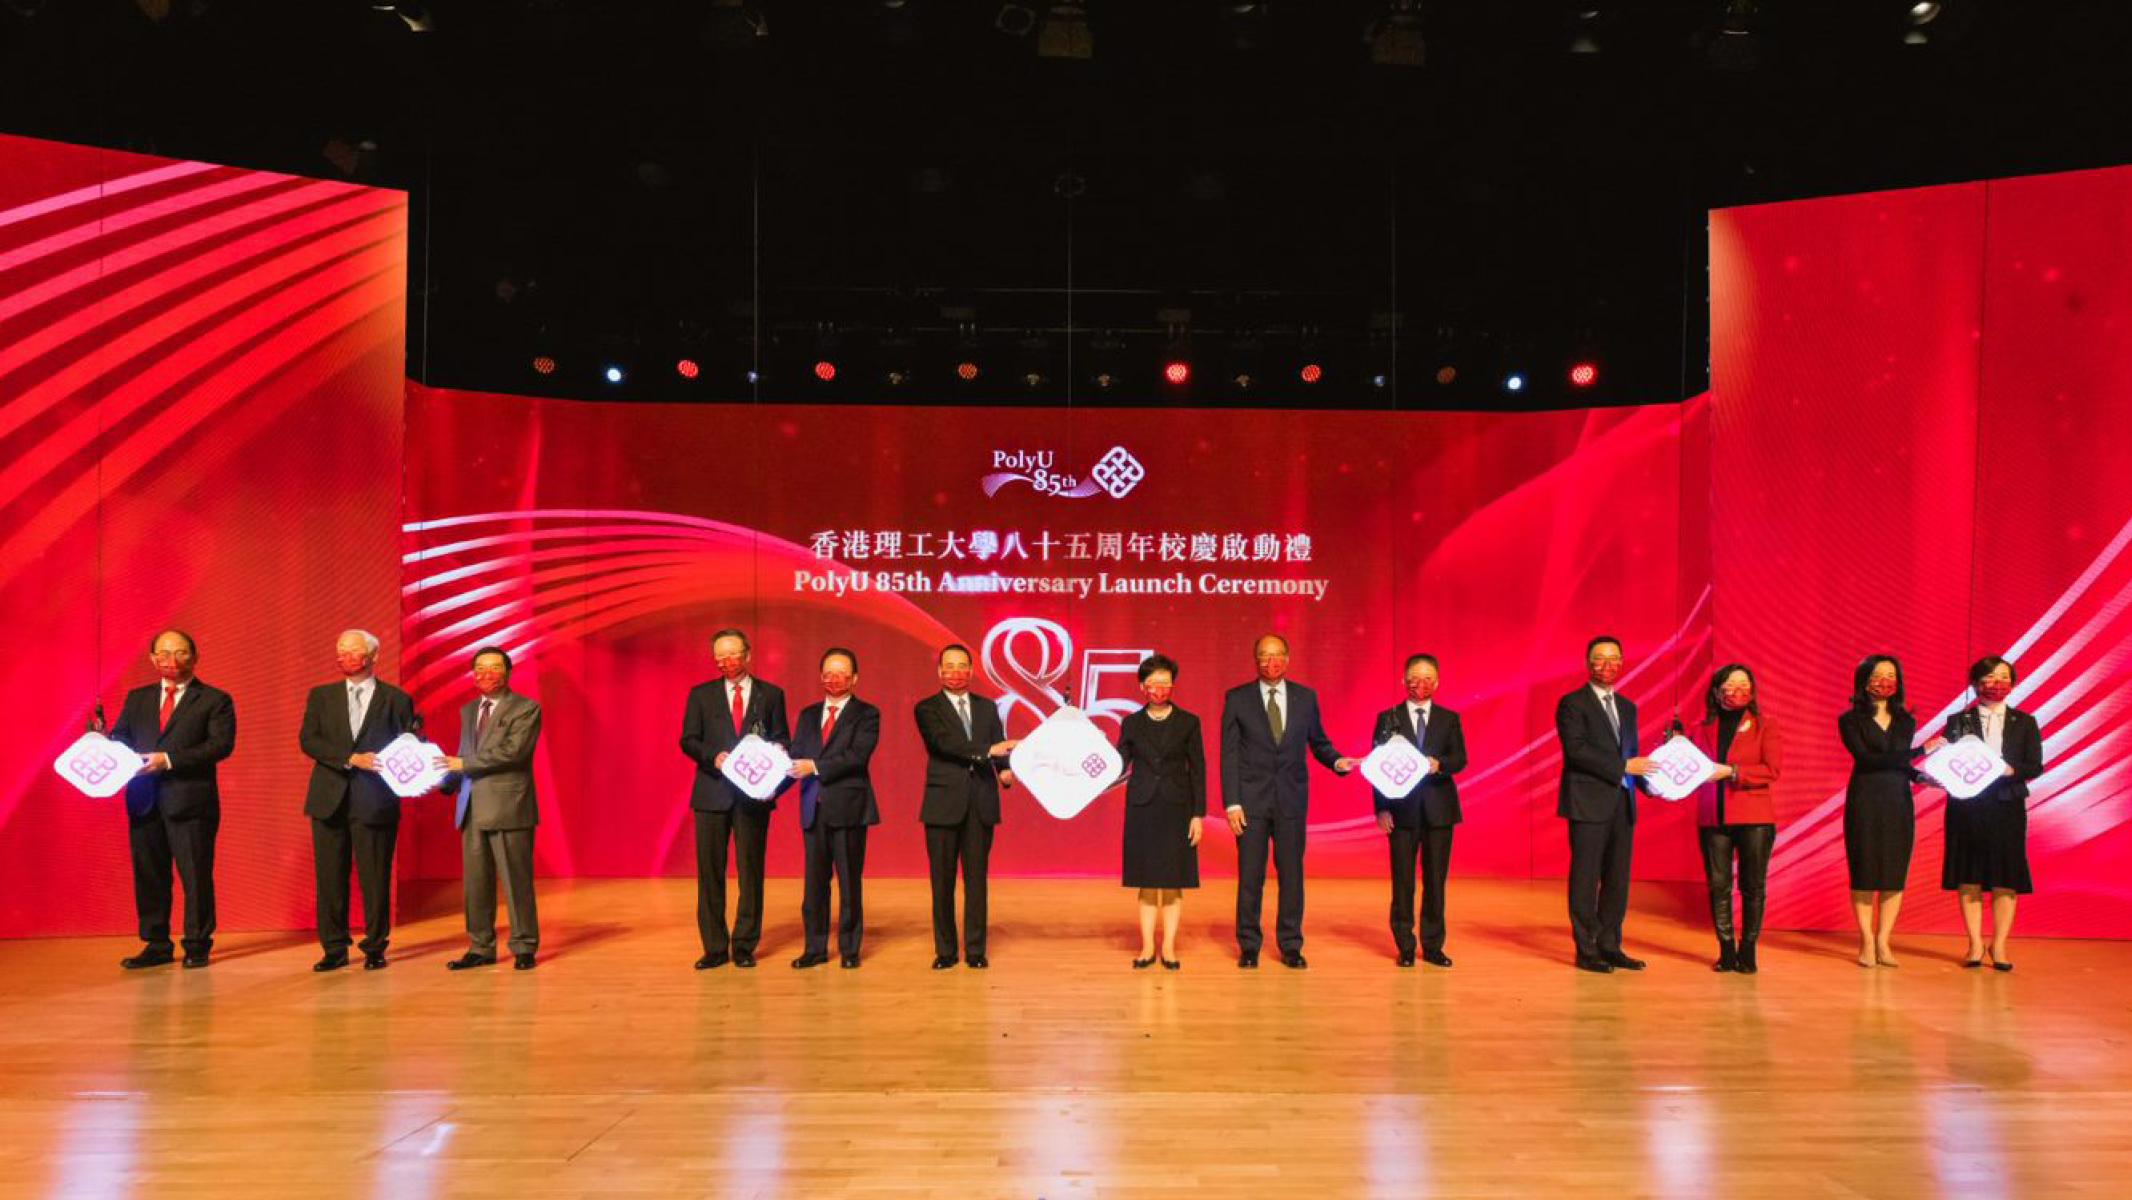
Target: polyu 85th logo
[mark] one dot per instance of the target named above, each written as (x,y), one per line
(1114,474)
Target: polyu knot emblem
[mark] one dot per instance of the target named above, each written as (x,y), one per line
(1114,474)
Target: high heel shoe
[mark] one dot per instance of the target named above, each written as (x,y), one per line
(1142,964)
(1171,964)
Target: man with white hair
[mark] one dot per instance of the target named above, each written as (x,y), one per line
(354,815)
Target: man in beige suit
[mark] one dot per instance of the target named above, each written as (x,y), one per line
(498,808)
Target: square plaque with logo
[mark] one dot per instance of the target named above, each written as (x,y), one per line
(1964,767)
(1066,762)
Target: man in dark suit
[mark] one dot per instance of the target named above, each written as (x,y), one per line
(497,811)
(1420,823)
(831,748)
(719,713)
(354,816)
(181,728)
(1265,785)
(1601,771)
(964,746)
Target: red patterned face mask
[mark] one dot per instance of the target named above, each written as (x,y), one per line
(1881,689)
(1156,693)
(1735,698)
(1994,691)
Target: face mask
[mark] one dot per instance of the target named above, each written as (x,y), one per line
(955,679)
(1993,691)
(836,686)
(353,664)
(1420,690)
(1735,698)
(1157,693)
(170,669)
(1881,689)
(1606,671)
(732,668)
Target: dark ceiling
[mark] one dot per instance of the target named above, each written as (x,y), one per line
(901,187)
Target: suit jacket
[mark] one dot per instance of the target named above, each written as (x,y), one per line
(1434,801)
(326,739)
(1756,757)
(496,790)
(1594,760)
(707,732)
(2021,746)
(1259,776)
(202,732)
(1165,763)
(959,774)
(841,790)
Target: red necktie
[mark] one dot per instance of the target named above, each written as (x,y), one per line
(830,723)
(170,701)
(740,708)
(481,723)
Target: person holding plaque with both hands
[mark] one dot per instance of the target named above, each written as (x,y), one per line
(1987,834)
(719,713)
(1165,797)
(1419,825)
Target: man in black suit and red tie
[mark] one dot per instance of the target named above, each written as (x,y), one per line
(181,728)
(355,817)
(1266,725)
(719,714)
(1601,772)
(832,745)
(1420,823)
(965,746)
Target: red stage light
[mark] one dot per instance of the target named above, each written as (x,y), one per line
(1312,372)
(825,370)
(966,371)
(687,368)
(1584,374)
(543,364)
(1179,373)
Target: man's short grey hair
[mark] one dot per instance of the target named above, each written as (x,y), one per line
(370,640)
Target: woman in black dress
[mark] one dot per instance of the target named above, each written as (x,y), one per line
(1879,814)
(1987,834)
(1165,793)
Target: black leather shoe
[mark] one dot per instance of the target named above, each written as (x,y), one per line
(1622,962)
(850,963)
(1746,964)
(522,962)
(468,961)
(1294,962)
(148,958)
(744,958)
(809,960)
(1142,964)
(1248,960)
(1597,966)
(1171,964)
(194,962)
(332,962)
(942,962)
(1406,958)
(709,961)
(979,962)
(1436,958)
(374,960)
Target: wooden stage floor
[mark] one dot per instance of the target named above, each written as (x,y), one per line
(616,1070)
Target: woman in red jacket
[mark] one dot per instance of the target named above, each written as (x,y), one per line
(1735,813)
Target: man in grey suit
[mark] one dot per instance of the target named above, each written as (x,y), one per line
(498,808)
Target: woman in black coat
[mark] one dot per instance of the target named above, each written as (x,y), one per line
(1165,795)
(1987,834)
(1879,813)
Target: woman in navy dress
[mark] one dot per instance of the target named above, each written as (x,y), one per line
(1165,795)
(1879,812)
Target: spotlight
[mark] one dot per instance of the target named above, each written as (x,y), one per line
(1243,381)
(1380,380)
(613,374)
(1446,375)
(688,368)
(543,365)
(1106,381)
(1064,33)
(825,371)
(1921,14)
(1584,29)
(1178,372)
(1513,382)
(1584,374)
(752,375)
(898,378)
(966,371)
(1311,373)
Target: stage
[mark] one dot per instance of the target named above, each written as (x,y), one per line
(616,1070)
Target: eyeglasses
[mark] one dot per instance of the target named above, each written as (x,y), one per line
(1278,657)
(168,655)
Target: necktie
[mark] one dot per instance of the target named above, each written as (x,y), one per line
(170,701)
(1612,718)
(355,710)
(481,724)
(962,709)
(1273,712)
(740,708)
(829,721)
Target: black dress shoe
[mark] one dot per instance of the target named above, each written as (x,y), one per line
(331,962)
(148,958)
(1248,960)
(194,962)
(468,961)
(1597,966)
(2002,966)
(1436,958)
(1622,962)
(809,959)
(744,958)
(1171,964)
(1294,962)
(942,962)
(709,961)
(522,962)
(979,962)
(1406,958)
(1142,964)
(374,960)
(850,963)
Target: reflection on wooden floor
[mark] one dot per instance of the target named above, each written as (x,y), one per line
(616,1070)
